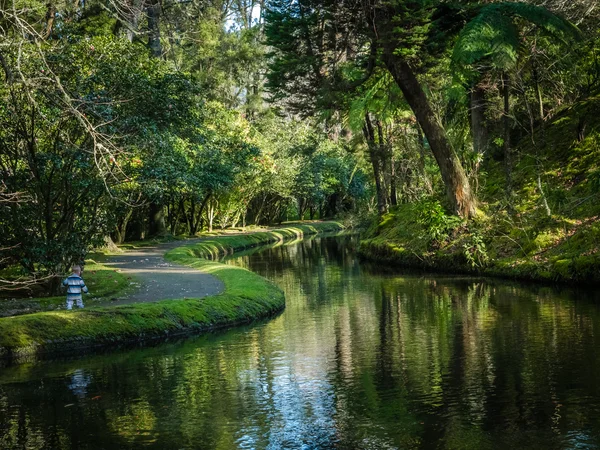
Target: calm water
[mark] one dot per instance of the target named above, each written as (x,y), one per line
(359,360)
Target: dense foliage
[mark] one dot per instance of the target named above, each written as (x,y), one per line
(124,119)
(132,118)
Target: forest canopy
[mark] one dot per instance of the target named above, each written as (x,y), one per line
(128,119)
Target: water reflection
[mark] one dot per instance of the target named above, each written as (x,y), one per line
(359,359)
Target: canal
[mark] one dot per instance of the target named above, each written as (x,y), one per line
(363,357)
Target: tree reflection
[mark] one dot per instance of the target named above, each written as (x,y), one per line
(358,360)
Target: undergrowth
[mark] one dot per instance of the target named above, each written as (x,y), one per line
(514,237)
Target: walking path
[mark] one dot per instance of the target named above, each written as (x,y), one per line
(160,279)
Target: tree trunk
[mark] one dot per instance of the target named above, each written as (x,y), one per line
(50,16)
(131,18)
(369,134)
(302,207)
(121,228)
(456,183)
(157,219)
(479,131)
(192,223)
(508,163)
(383,158)
(211,212)
(422,164)
(540,99)
(393,190)
(153,13)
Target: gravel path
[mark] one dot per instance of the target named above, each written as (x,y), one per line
(160,279)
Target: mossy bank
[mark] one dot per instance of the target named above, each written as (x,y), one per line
(482,249)
(246,297)
(548,230)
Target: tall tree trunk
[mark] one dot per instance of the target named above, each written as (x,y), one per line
(456,183)
(50,16)
(479,131)
(422,164)
(121,228)
(387,154)
(383,158)
(393,190)
(191,217)
(153,13)
(540,99)
(369,134)
(157,219)
(211,212)
(508,163)
(130,18)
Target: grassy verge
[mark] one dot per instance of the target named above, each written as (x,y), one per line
(488,247)
(104,283)
(247,297)
(225,245)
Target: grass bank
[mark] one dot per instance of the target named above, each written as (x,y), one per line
(104,283)
(225,245)
(247,297)
(485,247)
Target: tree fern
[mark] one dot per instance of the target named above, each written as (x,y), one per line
(492,37)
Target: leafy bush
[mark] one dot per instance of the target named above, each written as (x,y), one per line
(475,251)
(437,224)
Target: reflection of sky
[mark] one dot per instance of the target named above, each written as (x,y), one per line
(79,383)
(356,361)
(298,408)
(303,405)
(295,398)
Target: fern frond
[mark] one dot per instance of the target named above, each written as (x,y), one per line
(492,37)
(557,26)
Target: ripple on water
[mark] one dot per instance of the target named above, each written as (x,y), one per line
(358,360)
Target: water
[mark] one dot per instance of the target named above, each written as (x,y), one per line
(360,359)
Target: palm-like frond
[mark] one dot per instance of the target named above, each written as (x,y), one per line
(537,15)
(492,37)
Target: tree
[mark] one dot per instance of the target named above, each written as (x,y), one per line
(492,42)
(313,59)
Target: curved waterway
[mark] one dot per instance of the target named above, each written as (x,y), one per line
(360,359)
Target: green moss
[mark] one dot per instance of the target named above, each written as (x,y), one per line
(527,243)
(247,297)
